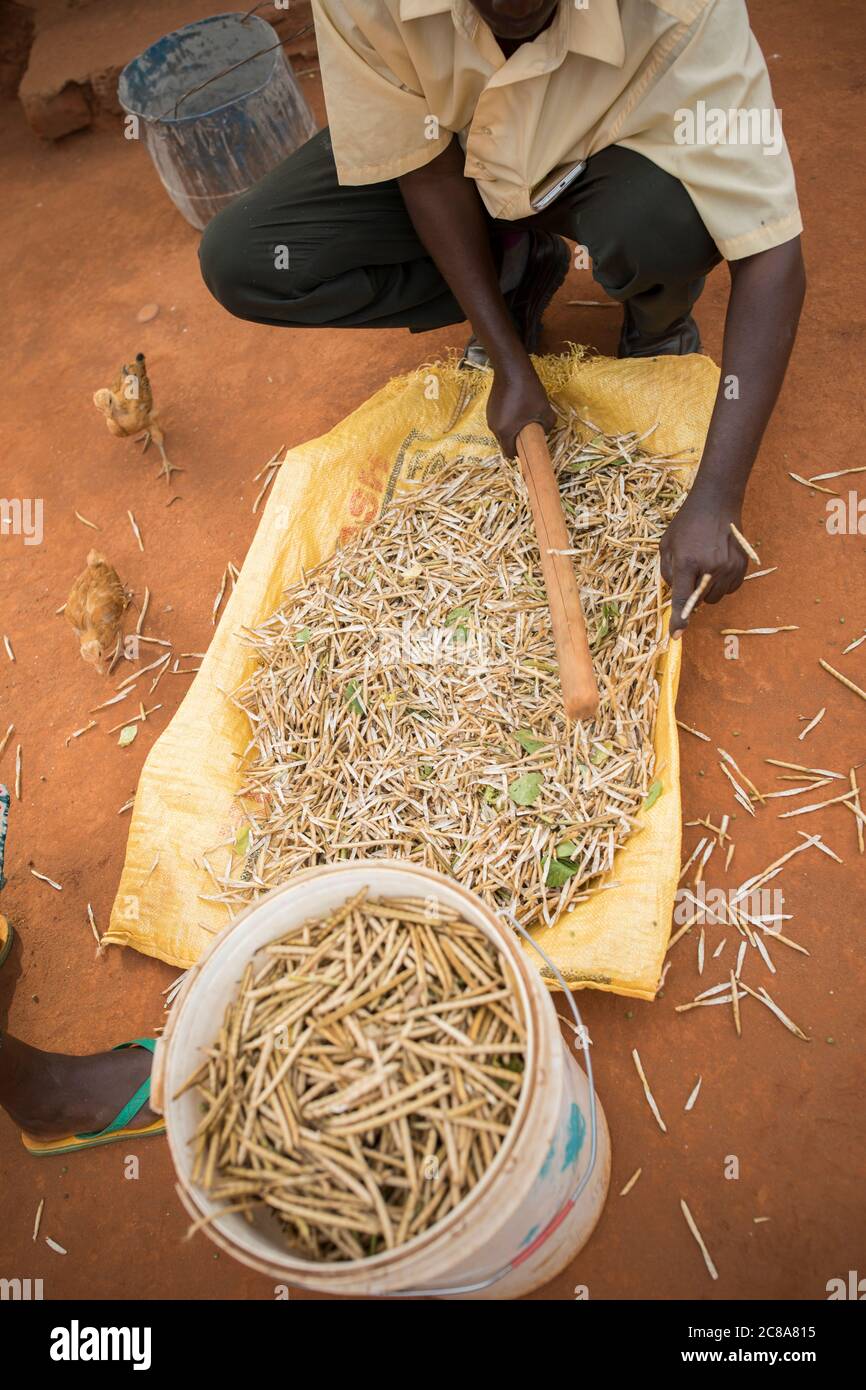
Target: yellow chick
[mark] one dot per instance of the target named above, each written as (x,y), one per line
(128,410)
(95,609)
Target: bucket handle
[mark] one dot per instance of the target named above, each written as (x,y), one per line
(305,28)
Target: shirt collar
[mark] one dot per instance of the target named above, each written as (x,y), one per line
(594,32)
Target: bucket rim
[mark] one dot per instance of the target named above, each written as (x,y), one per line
(213,110)
(197,1203)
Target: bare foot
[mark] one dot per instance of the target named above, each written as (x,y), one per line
(50,1095)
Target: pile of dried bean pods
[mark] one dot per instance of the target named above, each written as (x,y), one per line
(363,1079)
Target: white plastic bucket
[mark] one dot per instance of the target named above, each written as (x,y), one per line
(521,1222)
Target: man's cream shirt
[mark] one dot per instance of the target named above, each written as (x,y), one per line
(682,82)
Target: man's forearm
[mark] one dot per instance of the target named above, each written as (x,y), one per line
(763,311)
(446,212)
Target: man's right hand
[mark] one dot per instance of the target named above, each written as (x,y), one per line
(516,398)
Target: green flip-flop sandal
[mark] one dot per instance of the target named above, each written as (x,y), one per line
(119,1127)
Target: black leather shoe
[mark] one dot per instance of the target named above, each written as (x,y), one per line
(681,338)
(546,268)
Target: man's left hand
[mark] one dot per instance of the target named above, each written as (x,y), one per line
(700,541)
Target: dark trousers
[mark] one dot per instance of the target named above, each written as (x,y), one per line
(298,249)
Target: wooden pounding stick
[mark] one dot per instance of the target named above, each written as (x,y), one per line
(576,676)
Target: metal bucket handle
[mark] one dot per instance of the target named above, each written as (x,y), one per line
(281,43)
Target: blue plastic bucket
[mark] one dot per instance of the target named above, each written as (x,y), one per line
(211,142)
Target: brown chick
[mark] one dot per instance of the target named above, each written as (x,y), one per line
(128,410)
(95,608)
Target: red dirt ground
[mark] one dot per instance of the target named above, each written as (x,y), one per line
(89,237)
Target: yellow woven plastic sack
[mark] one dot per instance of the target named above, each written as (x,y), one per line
(325,490)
